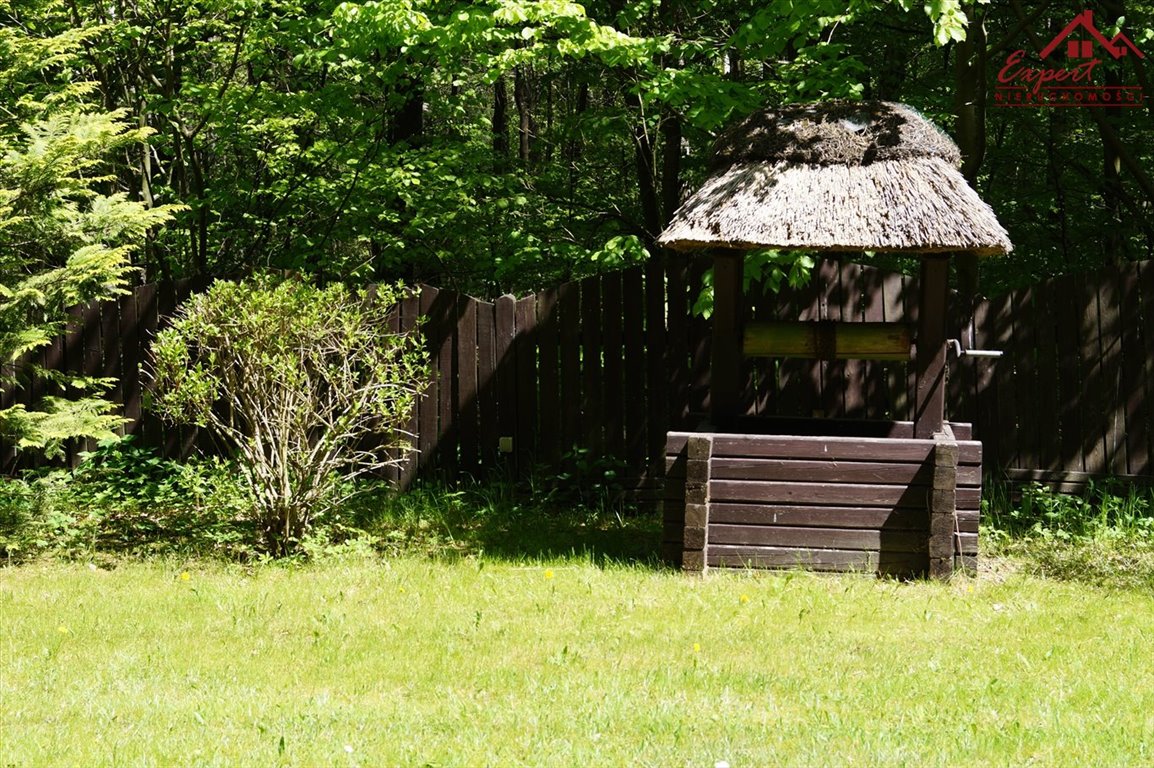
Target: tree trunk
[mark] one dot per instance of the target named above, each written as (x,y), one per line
(525,99)
(970,127)
(500,125)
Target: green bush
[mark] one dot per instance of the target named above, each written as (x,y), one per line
(126,499)
(1103,536)
(310,387)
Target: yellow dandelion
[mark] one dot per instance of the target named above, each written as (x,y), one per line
(401,590)
(969,587)
(62,629)
(697,647)
(745,598)
(184,576)
(549,573)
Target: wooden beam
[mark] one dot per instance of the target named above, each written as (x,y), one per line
(943,505)
(695,535)
(725,368)
(930,360)
(828,340)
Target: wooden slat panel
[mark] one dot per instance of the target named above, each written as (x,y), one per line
(832,448)
(849,494)
(614,342)
(1094,385)
(657,383)
(549,378)
(821,516)
(148,320)
(129,334)
(1110,369)
(468,427)
(487,385)
(506,358)
(892,473)
(1146,288)
(1069,375)
(427,406)
(1045,396)
(677,334)
(445,317)
(986,407)
(815,559)
(410,313)
(823,538)
(634,361)
(1025,381)
(525,404)
(832,372)
(569,324)
(592,379)
(1131,394)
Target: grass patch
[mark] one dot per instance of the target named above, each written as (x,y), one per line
(1104,536)
(480,661)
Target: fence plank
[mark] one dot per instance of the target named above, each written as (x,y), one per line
(427,406)
(1146,289)
(569,315)
(677,336)
(1045,397)
(657,352)
(634,360)
(488,435)
(614,335)
(1131,401)
(410,313)
(1069,375)
(505,356)
(592,381)
(1025,381)
(1094,385)
(529,370)
(548,336)
(1110,369)
(466,406)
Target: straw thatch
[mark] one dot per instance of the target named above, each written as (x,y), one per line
(837,177)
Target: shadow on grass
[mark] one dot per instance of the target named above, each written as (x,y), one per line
(510,522)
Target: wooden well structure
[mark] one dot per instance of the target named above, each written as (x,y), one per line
(890,497)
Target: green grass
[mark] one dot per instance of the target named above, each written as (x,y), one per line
(566,662)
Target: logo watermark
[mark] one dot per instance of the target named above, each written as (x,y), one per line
(1067,77)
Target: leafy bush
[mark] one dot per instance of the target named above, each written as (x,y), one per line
(310,385)
(1103,536)
(123,498)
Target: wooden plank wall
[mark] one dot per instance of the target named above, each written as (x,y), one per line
(827,503)
(608,364)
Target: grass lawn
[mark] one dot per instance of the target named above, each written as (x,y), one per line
(412,661)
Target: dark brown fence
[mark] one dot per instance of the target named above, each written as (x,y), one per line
(607,365)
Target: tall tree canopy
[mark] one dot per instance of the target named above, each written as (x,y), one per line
(509,144)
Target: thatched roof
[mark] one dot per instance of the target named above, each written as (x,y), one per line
(841,176)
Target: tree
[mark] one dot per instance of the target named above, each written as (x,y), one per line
(310,386)
(67,234)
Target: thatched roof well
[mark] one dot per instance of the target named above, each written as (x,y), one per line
(840,176)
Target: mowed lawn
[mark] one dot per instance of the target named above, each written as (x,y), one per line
(478,662)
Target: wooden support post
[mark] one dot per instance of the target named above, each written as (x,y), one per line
(725,368)
(695,535)
(930,363)
(943,504)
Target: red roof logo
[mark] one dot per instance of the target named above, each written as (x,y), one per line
(1080,47)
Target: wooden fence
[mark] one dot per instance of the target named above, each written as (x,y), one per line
(606,366)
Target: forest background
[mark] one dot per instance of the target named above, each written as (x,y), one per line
(508,146)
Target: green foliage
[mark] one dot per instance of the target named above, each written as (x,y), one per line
(765,270)
(1104,535)
(67,234)
(122,499)
(310,386)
